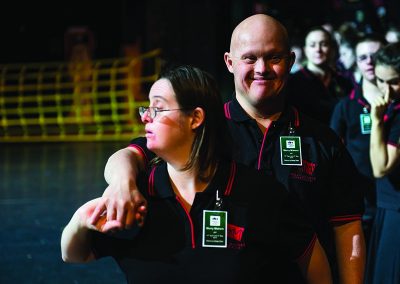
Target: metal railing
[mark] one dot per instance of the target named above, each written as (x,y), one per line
(84,101)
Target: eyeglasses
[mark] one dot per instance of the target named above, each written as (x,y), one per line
(152,111)
(364,57)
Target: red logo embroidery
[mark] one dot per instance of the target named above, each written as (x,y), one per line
(235,232)
(308,167)
(305,172)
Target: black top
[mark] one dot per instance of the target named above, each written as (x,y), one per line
(264,225)
(388,187)
(308,94)
(325,183)
(346,122)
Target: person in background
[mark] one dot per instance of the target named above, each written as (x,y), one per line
(298,63)
(347,63)
(270,135)
(193,173)
(384,252)
(351,120)
(392,34)
(346,37)
(316,88)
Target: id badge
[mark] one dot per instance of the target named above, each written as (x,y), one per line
(215,228)
(291,151)
(365,123)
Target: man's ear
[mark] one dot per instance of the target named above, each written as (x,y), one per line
(228,61)
(292,59)
(198,117)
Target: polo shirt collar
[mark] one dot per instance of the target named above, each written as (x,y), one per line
(234,111)
(357,95)
(163,187)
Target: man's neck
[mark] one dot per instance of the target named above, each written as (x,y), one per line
(264,113)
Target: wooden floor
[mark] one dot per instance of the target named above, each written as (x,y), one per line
(41,185)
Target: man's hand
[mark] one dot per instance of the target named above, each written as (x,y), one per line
(123,207)
(122,202)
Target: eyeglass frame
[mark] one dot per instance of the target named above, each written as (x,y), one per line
(365,57)
(152,111)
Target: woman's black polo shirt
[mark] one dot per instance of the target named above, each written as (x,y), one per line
(265,227)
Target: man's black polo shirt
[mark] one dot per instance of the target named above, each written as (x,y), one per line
(325,183)
(264,225)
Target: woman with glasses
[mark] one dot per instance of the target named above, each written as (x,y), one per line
(316,88)
(383,262)
(203,225)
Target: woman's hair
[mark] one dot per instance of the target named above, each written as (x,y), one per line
(370,37)
(195,88)
(333,45)
(389,55)
(329,36)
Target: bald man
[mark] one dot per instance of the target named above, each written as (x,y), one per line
(304,155)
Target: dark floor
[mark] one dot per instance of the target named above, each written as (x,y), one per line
(41,185)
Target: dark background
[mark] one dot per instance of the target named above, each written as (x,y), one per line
(42,184)
(193,32)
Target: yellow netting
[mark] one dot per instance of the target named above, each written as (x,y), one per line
(82,101)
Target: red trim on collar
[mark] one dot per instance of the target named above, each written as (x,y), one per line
(228,188)
(190,221)
(352,94)
(296,117)
(360,101)
(141,152)
(346,218)
(385,118)
(151,182)
(227,110)
(231,179)
(262,147)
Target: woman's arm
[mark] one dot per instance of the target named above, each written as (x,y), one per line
(384,157)
(76,236)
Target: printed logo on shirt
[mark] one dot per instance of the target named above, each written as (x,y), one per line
(305,172)
(235,234)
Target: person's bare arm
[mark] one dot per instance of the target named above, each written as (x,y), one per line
(384,157)
(350,252)
(315,267)
(76,237)
(122,200)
